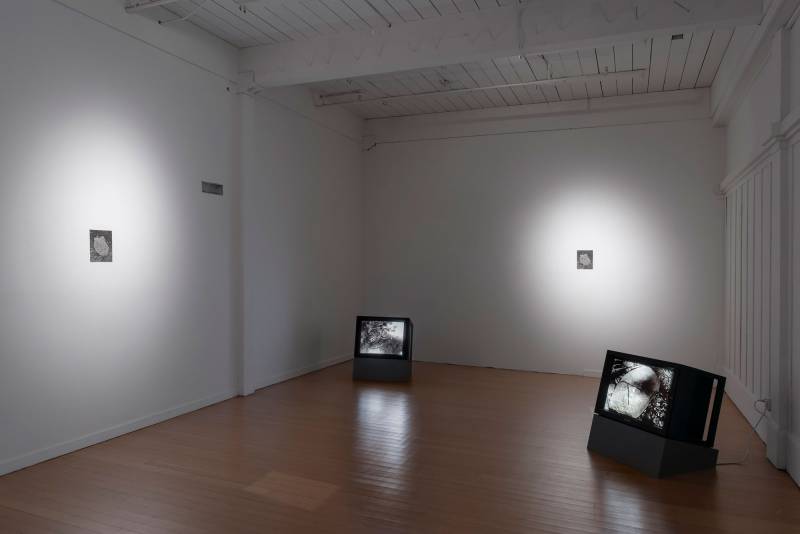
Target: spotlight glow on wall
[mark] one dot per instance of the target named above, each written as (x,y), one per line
(610,304)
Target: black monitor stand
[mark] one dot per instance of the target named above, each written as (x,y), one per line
(649,453)
(382,369)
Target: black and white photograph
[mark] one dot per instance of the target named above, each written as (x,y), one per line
(585,259)
(100,247)
(382,337)
(641,392)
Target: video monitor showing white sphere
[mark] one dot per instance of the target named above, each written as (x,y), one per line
(382,337)
(641,392)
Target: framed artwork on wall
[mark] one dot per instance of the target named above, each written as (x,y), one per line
(100,246)
(585,259)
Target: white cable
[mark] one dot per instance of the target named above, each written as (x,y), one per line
(763,414)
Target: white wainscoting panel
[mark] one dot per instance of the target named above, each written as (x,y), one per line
(752,285)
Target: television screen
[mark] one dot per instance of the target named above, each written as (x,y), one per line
(667,398)
(639,392)
(382,337)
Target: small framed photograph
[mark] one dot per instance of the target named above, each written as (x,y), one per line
(585,259)
(100,246)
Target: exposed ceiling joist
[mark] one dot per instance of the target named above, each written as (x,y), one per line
(529,28)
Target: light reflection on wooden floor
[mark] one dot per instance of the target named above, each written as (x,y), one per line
(460,450)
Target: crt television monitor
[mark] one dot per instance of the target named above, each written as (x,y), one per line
(383,337)
(670,399)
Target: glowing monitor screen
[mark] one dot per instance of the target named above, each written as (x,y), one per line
(382,337)
(640,392)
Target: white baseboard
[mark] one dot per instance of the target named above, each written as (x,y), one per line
(793,457)
(743,398)
(299,371)
(48,453)
(589,373)
(768,431)
(65,447)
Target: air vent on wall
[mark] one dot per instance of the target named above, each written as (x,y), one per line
(212,188)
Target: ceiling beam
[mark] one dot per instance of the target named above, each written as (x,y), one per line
(533,27)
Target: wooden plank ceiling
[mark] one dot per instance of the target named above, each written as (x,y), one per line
(246,23)
(673,61)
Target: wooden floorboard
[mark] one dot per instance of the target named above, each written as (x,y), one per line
(461,449)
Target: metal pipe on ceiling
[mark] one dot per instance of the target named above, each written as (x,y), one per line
(141,5)
(335,99)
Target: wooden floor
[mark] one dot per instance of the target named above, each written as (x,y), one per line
(460,450)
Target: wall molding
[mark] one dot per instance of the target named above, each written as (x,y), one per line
(791,129)
(65,447)
(782,447)
(757,280)
(769,149)
(782,132)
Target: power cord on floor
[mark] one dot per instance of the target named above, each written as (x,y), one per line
(763,413)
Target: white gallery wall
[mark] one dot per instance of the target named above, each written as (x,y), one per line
(301,235)
(791,127)
(110,121)
(752,121)
(762,190)
(100,131)
(473,232)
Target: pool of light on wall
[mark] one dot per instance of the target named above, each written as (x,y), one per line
(601,306)
(99,171)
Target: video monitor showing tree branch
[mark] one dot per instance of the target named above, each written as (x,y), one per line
(382,337)
(640,392)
